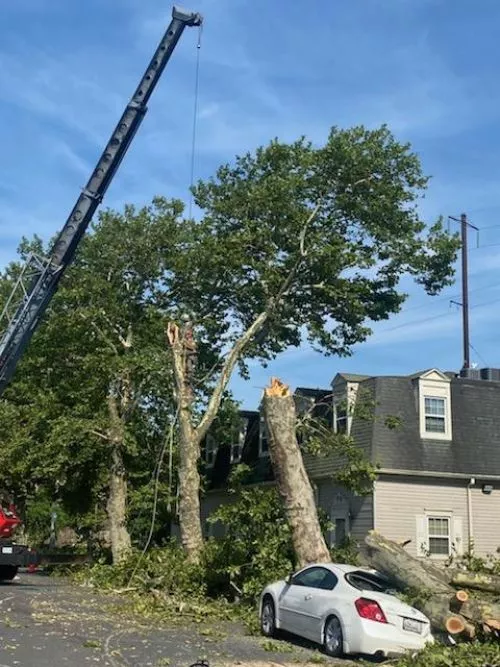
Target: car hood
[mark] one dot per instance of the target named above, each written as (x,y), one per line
(394,605)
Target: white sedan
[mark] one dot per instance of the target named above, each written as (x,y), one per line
(345,609)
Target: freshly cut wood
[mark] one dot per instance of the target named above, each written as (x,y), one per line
(477,580)
(291,476)
(458,600)
(437,598)
(454,625)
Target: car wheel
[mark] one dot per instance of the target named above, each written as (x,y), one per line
(268,618)
(8,572)
(333,640)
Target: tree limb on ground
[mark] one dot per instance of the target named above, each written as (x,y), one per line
(449,610)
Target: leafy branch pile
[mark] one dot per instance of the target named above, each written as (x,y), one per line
(256,549)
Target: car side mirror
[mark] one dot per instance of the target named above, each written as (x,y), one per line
(288,580)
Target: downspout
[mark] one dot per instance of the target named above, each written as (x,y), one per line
(471,483)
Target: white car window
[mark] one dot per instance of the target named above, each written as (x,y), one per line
(316,577)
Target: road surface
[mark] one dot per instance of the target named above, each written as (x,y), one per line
(47,621)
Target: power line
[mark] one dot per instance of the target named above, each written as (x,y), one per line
(436,317)
(479,355)
(452,296)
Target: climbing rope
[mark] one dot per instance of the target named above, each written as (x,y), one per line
(195,117)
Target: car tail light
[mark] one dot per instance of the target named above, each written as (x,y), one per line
(370,609)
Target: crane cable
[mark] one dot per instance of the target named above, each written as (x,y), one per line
(195,118)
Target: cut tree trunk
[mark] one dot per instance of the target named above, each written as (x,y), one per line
(293,483)
(477,580)
(189,447)
(437,598)
(189,490)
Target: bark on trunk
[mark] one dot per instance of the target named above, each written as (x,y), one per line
(189,491)
(476,580)
(189,446)
(117,509)
(293,483)
(438,598)
(117,495)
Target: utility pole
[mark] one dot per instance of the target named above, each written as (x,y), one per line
(464,225)
(465,291)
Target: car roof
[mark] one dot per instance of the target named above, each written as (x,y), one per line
(343,567)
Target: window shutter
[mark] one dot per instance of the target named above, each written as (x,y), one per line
(458,536)
(421,535)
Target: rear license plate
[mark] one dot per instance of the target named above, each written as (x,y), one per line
(6,550)
(411,625)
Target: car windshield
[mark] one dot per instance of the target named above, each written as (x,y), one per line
(368,581)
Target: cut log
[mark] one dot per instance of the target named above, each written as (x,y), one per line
(458,600)
(436,598)
(291,476)
(454,625)
(477,580)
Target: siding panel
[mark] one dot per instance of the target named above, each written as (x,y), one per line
(486,520)
(400,500)
(332,497)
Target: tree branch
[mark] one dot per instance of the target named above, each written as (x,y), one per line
(103,436)
(246,337)
(225,376)
(302,253)
(101,333)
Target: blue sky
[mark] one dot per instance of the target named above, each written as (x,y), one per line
(268,68)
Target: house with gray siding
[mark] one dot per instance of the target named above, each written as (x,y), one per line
(434,435)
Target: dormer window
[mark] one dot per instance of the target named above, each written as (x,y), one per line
(239,441)
(434,405)
(210,450)
(263,441)
(340,417)
(435,414)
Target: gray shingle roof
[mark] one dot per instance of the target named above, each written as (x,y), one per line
(475,445)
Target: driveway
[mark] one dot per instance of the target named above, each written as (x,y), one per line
(49,622)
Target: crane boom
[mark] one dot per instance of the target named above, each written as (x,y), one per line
(40,276)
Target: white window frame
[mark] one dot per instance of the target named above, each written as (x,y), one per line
(435,384)
(237,447)
(337,407)
(432,416)
(448,516)
(210,450)
(263,437)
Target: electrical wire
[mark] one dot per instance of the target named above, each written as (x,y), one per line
(478,355)
(169,439)
(434,317)
(195,118)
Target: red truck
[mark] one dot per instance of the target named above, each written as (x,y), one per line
(12,555)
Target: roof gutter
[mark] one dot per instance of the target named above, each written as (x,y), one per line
(432,473)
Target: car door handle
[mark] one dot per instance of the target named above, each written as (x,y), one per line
(308,597)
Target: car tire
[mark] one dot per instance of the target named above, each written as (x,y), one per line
(8,572)
(268,617)
(333,639)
